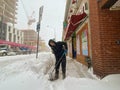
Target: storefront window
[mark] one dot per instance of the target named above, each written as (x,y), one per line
(78,44)
(84,43)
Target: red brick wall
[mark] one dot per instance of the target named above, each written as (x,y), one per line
(105,31)
(103,2)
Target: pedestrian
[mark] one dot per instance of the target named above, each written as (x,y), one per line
(58,49)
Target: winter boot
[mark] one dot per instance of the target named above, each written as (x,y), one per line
(64,75)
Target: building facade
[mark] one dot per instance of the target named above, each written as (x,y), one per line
(14,35)
(8,10)
(91,29)
(7,15)
(30,37)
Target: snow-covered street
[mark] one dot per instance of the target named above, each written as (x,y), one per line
(25,72)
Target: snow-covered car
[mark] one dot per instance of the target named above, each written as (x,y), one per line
(3,52)
(3,49)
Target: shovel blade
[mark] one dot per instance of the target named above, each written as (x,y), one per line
(51,77)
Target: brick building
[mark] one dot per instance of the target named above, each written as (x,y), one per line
(92,29)
(30,37)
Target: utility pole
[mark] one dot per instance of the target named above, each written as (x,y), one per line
(38,28)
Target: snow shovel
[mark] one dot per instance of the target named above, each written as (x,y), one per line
(51,78)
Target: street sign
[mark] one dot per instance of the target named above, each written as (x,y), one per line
(38,27)
(40,13)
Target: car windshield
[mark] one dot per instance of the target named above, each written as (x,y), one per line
(3,47)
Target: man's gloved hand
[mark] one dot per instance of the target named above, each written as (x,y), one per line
(64,47)
(65,51)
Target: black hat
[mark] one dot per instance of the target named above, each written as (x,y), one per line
(51,40)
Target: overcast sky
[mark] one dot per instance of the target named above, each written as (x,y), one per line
(52,19)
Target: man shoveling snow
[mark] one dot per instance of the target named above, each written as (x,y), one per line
(59,49)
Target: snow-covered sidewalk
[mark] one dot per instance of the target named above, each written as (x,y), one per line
(25,72)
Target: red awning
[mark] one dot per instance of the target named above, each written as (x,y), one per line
(16,44)
(9,43)
(73,24)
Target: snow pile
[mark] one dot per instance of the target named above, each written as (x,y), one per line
(113,80)
(88,84)
(25,72)
(15,65)
(43,64)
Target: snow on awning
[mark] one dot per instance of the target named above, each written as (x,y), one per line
(73,24)
(116,6)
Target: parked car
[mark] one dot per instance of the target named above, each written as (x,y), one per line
(3,52)
(3,49)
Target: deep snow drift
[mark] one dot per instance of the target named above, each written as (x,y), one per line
(25,72)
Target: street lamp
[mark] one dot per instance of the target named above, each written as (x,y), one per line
(54,31)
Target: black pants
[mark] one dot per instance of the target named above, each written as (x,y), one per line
(63,64)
